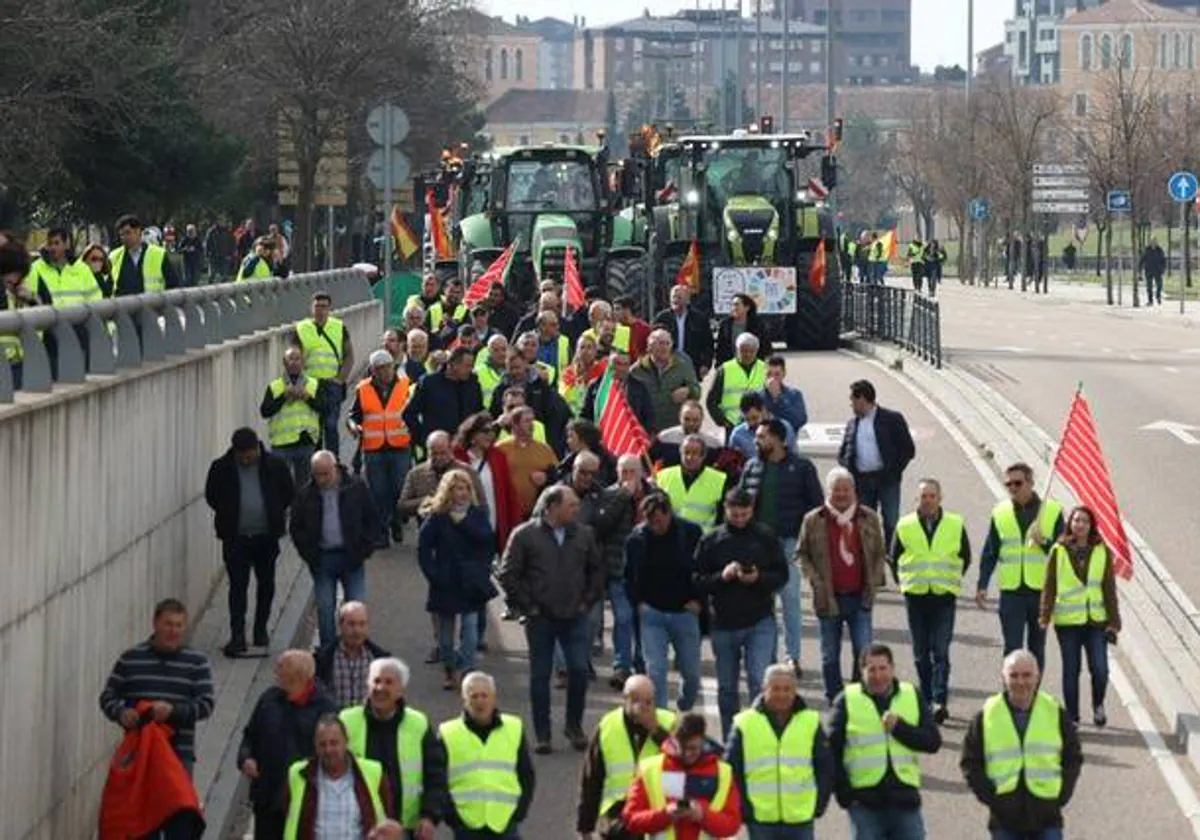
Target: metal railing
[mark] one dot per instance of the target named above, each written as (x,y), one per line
(105,336)
(902,316)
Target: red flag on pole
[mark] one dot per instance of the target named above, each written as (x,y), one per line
(619,428)
(1081,464)
(816,271)
(573,298)
(689,272)
(495,274)
(438,234)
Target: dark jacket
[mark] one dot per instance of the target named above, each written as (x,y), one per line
(890,792)
(1020,811)
(503,319)
(324,658)
(541,578)
(360,522)
(381,746)
(798,491)
(727,346)
(679,373)
(277,734)
(456,559)
(659,570)
(896,446)
(223,492)
(697,335)
(738,605)
(1154,261)
(441,404)
(591,782)
(525,775)
(638,396)
(822,759)
(546,402)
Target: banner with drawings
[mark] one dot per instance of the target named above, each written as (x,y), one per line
(773,288)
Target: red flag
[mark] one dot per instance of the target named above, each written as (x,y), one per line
(573,297)
(494,274)
(689,272)
(817,189)
(1081,463)
(438,234)
(619,428)
(816,271)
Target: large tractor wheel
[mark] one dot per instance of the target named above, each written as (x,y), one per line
(817,324)
(626,276)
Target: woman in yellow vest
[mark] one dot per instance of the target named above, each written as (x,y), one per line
(1080,598)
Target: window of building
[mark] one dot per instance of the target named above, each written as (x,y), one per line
(868,61)
(1081,104)
(1191,52)
(487,64)
(814,46)
(853,60)
(885,60)
(520,64)
(503,63)
(1178,51)
(618,69)
(753,46)
(618,45)
(523,140)
(1162,52)
(814,67)
(1106,51)
(1126,50)
(1085,52)
(1046,34)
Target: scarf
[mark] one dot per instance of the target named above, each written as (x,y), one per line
(843,523)
(305,695)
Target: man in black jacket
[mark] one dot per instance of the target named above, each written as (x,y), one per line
(876,448)
(280,731)
(740,566)
(445,398)
(689,328)
(547,404)
(636,394)
(334,527)
(249,491)
(1154,263)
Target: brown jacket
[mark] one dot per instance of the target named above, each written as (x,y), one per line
(812,555)
(422,482)
(308,808)
(1108,586)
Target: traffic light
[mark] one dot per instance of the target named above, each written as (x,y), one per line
(766,124)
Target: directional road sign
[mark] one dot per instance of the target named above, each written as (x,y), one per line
(1119,201)
(979,209)
(1061,207)
(1073,194)
(1059,169)
(376,167)
(1182,186)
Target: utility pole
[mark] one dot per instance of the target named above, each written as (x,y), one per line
(723,103)
(699,59)
(758,58)
(970,47)
(783,86)
(830,63)
(738,116)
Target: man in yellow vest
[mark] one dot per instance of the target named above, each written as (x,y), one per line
(328,775)
(916,262)
(781,761)
(1021,756)
(625,736)
(930,556)
(876,729)
(377,420)
(740,375)
(261,264)
(444,317)
(877,259)
(291,405)
(57,278)
(553,348)
(490,366)
(385,729)
(138,267)
(328,358)
(696,491)
(1022,532)
(490,772)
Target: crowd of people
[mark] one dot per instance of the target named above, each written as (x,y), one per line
(480,425)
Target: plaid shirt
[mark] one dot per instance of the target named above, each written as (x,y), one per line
(338,817)
(350,677)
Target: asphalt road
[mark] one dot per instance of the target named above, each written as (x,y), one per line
(1121,794)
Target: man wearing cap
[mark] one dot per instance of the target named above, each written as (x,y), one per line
(377,420)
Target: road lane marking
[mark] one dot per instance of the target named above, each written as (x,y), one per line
(1170,369)
(1181,431)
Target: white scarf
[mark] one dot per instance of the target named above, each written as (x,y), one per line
(845,523)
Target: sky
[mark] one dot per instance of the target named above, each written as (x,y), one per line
(939,26)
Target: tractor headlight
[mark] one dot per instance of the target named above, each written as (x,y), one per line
(772,233)
(732,236)
(692,197)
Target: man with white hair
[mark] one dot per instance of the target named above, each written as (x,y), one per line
(690,329)
(842,553)
(669,377)
(377,420)
(490,366)
(490,772)
(1021,756)
(385,729)
(416,366)
(744,373)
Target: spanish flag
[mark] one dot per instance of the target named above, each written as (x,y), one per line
(689,272)
(891,244)
(403,235)
(816,271)
(438,234)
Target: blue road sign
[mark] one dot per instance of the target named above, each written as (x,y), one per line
(979,209)
(1119,201)
(1182,186)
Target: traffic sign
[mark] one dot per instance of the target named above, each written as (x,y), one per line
(377,166)
(1059,169)
(1182,186)
(1060,181)
(1061,207)
(1073,194)
(376,124)
(1119,201)
(979,209)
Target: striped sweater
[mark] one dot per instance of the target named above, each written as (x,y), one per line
(182,678)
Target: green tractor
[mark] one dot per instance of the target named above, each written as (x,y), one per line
(461,186)
(549,199)
(754,205)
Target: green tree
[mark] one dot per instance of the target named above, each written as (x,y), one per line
(866,193)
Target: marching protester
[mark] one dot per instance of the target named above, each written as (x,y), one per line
(324,341)
(742,320)
(292,407)
(688,328)
(377,421)
(735,377)
(335,793)
(342,663)
(668,376)
(876,447)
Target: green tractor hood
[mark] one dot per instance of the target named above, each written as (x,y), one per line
(553,233)
(751,226)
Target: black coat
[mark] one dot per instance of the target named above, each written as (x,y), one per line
(277,734)
(324,659)
(223,492)
(636,393)
(697,335)
(895,443)
(441,404)
(546,402)
(456,559)
(360,522)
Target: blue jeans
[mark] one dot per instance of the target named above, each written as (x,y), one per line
(298,457)
(331,411)
(886,824)
(852,614)
(780,831)
(463,659)
(541,633)
(789,597)
(757,644)
(1052,833)
(680,630)
(329,571)
(881,493)
(1019,624)
(1073,642)
(622,634)
(386,470)
(931,623)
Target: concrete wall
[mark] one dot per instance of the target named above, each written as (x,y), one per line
(101,490)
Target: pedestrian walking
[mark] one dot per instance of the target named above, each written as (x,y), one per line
(335,528)
(377,421)
(279,733)
(455,552)
(877,447)
(930,556)
(734,378)
(530,461)
(636,393)
(292,406)
(876,729)
(491,776)
(1021,756)
(1022,532)
(584,436)
(782,401)
(785,488)
(552,572)
(841,552)
(753,407)
(664,451)
(1154,263)
(935,262)
(137,266)
(384,728)
(781,761)
(176,680)
(625,737)
(475,448)
(343,663)
(669,378)
(446,398)
(742,319)
(324,341)
(696,491)
(1080,598)
(249,491)
(916,263)
(740,567)
(689,328)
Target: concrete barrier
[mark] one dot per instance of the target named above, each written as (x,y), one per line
(101,486)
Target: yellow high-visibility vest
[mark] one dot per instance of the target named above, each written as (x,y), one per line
(322,353)
(483,780)
(73,284)
(927,566)
(698,503)
(651,771)
(869,748)
(1035,760)
(1076,602)
(779,776)
(1020,561)
(154,257)
(295,418)
(620,763)
(409,736)
(372,772)
(736,383)
(261,269)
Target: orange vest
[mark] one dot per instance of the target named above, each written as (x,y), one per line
(383,424)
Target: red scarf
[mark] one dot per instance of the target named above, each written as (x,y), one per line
(305,695)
